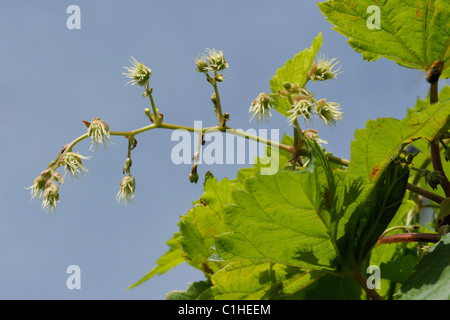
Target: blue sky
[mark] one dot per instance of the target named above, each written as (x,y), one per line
(52,78)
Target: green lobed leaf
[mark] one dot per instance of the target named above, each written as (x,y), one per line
(253,280)
(294,71)
(431,279)
(203,223)
(193,292)
(356,226)
(332,288)
(374,146)
(276,219)
(380,207)
(400,268)
(413,33)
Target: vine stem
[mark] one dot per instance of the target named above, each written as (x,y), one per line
(229,130)
(218,105)
(409,237)
(434,146)
(425,193)
(372,293)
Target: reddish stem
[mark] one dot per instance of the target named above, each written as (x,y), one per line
(409,237)
(434,147)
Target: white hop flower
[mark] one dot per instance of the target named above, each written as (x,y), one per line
(323,69)
(138,73)
(213,60)
(51,196)
(72,162)
(126,191)
(260,108)
(328,112)
(99,132)
(301,108)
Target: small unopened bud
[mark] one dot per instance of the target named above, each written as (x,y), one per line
(313,134)
(127,166)
(432,178)
(202,65)
(58,177)
(283,93)
(193,176)
(290,87)
(220,78)
(214,98)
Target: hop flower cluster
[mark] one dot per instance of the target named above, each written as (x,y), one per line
(98,130)
(126,190)
(322,70)
(213,60)
(45,187)
(138,73)
(73,164)
(260,107)
(329,112)
(304,105)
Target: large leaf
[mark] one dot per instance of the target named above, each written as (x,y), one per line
(294,71)
(203,223)
(277,219)
(413,33)
(366,211)
(357,216)
(193,292)
(252,280)
(431,279)
(332,288)
(374,146)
